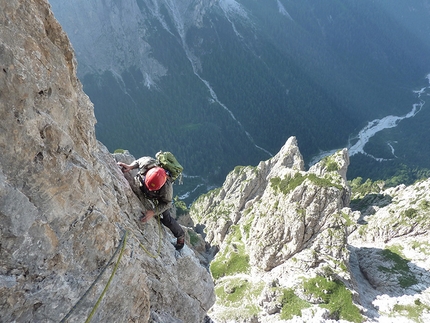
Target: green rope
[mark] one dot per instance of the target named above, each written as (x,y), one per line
(122,243)
(159,242)
(110,279)
(95,281)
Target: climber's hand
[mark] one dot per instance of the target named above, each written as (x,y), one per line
(147,216)
(124,167)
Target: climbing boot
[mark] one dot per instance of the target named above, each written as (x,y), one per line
(180,241)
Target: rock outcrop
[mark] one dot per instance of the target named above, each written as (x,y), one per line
(65,206)
(390,252)
(292,249)
(273,223)
(283,242)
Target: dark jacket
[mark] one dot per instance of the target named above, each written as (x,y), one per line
(163,197)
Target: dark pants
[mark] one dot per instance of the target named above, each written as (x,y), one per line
(171,223)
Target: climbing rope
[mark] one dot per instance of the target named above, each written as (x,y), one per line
(97,279)
(110,279)
(159,241)
(121,246)
(159,236)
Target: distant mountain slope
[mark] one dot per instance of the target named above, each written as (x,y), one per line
(224,83)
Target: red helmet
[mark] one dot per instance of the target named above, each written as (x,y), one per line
(155,178)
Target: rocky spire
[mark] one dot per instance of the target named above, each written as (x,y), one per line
(274,222)
(290,247)
(287,244)
(65,205)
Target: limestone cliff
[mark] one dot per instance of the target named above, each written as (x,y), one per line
(292,249)
(275,223)
(65,207)
(283,243)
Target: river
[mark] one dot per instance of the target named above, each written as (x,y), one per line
(377,125)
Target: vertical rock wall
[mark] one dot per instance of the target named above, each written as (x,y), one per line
(64,204)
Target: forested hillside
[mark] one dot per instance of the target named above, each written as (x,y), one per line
(225,83)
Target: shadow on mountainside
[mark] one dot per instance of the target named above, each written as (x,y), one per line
(196,237)
(369,204)
(383,272)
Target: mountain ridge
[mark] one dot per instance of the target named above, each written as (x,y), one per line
(320,74)
(281,242)
(287,236)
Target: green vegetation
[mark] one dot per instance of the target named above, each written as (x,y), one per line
(348,220)
(410,213)
(400,269)
(301,212)
(360,189)
(396,249)
(330,164)
(181,207)
(212,193)
(247,226)
(424,205)
(233,259)
(323,182)
(220,210)
(390,173)
(194,238)
(119,151)
(292,305)
(362,230)
(335,297)
(413,312)
(411,217)
(423,247)
(239,297)
(289,183)
(366,194)
(238,169)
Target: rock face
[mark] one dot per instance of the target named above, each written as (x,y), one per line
(292,249)
(288,245)
(390,246)
(273,223)
(64,204)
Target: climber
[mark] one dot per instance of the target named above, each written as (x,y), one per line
(156,185)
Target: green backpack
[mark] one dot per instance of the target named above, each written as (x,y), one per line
(168,161)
